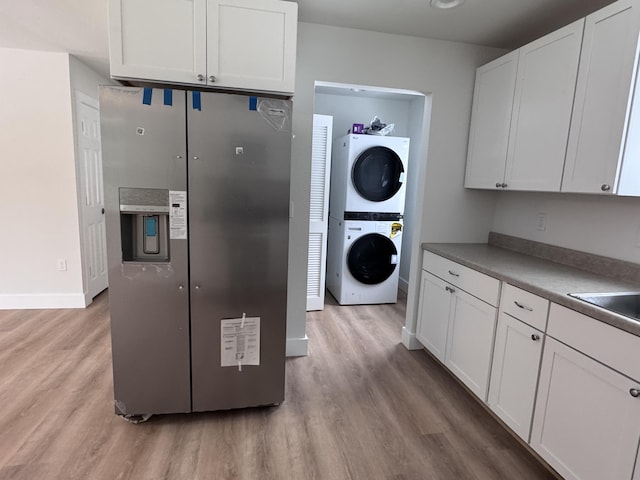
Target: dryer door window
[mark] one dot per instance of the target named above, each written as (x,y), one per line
(372,258)
(376,174)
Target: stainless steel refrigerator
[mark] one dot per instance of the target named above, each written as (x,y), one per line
(197,218)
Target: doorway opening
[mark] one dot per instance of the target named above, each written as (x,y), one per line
(344,105)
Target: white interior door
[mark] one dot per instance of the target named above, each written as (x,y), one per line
(319,210)
(94,253)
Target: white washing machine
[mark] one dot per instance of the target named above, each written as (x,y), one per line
(368,176)
(363,261)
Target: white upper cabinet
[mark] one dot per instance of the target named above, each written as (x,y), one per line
(229,44)
(595,156)
(162,40)
(490,122)
(521,114)
(545,86)
(251,44)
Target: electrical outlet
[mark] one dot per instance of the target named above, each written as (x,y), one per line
(62,264)
(541,222)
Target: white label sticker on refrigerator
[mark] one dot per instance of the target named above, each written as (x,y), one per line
(178,214)
(240,341)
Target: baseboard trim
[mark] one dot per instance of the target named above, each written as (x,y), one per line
(42,301)
(297,347)
(409,340)
(403,285)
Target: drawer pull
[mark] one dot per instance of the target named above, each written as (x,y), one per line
(524,307)
(449,289)
(535,337)
(454,273)
(634,392)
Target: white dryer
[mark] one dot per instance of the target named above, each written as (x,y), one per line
(363,261)
(368,176)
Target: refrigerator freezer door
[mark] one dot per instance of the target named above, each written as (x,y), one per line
(239,161)
(144,150)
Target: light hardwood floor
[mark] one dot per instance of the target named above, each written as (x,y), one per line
(360,406)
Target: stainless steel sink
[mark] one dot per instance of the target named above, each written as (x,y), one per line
(624,303)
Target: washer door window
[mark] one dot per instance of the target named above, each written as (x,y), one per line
(376,174)
(372,258)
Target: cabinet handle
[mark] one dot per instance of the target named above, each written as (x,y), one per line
(535,337)
(524,307)
(449,289)
(200,77)
(634,392)
(212,78)
(180,287)
(605,187)
(454,273)
(498,185)
(504,185)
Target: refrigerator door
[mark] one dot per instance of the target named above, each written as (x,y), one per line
(239,162)
(144,158)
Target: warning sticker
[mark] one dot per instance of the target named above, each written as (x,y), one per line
(240,338)
(177,215)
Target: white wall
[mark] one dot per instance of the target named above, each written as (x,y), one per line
(347,110)
(444,69)
(38,183)
(603,225)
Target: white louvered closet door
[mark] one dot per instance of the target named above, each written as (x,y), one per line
(319,210)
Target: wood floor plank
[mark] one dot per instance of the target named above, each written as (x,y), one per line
(360,406)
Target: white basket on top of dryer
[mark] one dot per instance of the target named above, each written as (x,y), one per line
(368,174)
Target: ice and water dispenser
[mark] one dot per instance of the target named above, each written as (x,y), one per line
(144,224)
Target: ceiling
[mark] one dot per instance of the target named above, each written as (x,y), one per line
(80,26)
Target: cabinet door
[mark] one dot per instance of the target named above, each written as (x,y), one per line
(470,341)
(586,423)
(162,40)
(602,93)
(267,62)
(490,122)
(547,70)
(433,314)
(514,374)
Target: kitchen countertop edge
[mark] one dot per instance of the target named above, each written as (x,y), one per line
(545,278)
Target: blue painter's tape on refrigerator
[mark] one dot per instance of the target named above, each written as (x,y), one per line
(253,103)
(146,96)
(168,97)
(197,103)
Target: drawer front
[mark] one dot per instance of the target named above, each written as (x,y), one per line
(525,306)
(615,348)
(478,284)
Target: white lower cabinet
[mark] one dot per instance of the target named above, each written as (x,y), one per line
(454,325)
(566,383)
(433,320)
(514,374)
(587,421)
(470,341)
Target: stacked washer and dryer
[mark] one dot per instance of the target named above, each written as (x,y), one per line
(366,207)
